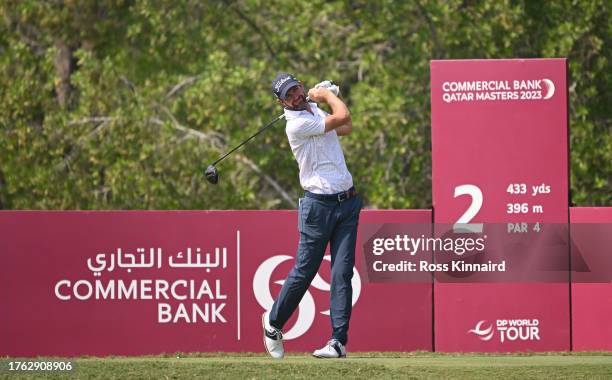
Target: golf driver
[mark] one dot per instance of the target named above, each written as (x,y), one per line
(211,173)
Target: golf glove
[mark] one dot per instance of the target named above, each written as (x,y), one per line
(331,86)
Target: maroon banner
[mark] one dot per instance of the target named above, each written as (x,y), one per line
(591,232)
(500,155)
(135,283)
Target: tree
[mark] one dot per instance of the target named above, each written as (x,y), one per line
(121,104)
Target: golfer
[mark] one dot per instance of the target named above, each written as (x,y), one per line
(328,212)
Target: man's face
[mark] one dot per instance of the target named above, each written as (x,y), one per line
(295,100)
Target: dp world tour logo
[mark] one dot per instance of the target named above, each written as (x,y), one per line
(508,329)
(306,309)
(483,333)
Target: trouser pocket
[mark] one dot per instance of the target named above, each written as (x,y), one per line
(315,217)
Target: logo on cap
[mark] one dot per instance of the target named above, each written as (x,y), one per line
(282,83)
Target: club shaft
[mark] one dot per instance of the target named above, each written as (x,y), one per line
(249,139)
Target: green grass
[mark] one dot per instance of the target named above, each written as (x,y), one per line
(356,366)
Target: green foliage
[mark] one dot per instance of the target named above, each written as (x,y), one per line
(159,89)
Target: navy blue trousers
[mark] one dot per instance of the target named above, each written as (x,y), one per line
(321,222)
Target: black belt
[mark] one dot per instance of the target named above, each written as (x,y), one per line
(339,197)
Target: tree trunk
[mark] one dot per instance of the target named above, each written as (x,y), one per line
(3,201)
(62,68)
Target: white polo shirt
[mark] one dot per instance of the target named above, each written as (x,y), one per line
(318,154)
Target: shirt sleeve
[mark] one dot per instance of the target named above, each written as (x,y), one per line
(303,127)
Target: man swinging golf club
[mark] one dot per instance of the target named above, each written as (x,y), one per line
(328,212)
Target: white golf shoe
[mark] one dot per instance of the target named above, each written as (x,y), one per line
(333,349)
(273,338)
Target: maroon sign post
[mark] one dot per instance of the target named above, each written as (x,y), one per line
(500,156)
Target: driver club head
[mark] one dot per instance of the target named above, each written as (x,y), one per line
(211,174)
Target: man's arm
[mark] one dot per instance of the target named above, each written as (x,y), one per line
(345,130)
(340,118)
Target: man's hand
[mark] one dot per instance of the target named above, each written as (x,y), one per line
(325,83)
(331,86)
(320,94)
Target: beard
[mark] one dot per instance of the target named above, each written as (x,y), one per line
(300,105)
